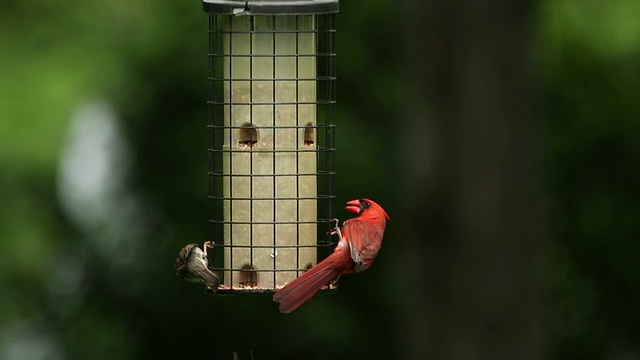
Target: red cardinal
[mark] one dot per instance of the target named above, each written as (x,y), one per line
(359,243)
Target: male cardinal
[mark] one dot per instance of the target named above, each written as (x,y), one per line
(193,266)
(360,240)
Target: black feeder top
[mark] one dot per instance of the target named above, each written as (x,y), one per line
(270,7)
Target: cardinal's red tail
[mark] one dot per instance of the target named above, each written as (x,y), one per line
(304,287)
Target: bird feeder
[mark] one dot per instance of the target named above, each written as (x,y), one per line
(271,126)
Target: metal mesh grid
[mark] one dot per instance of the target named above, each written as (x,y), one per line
(271,127)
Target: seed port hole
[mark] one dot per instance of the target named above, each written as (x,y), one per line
(309,134)
(308,267)
(248,136)
(248,276)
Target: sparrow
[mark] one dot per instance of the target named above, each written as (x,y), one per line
(193,266)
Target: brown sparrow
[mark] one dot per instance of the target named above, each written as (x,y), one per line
(193,266)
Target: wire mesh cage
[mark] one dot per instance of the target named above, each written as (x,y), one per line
(271,125)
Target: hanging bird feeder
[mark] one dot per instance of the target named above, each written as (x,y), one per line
(271,125)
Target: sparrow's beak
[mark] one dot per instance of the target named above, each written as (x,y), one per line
(353,206)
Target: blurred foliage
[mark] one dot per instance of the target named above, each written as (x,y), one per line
(95,284)
(588,54)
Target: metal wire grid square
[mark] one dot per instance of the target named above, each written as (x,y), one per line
(229,140)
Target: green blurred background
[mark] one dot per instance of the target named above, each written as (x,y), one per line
(103,179)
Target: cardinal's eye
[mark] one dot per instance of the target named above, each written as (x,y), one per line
(365,204)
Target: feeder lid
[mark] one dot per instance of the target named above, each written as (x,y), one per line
(270,7)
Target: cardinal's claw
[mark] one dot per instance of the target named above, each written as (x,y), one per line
(333,229)
(336,229)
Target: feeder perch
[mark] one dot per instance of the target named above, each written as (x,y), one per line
(271,126)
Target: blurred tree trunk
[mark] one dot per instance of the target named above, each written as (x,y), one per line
(472,223)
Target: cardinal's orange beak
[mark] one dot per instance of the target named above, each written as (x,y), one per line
(353,206)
